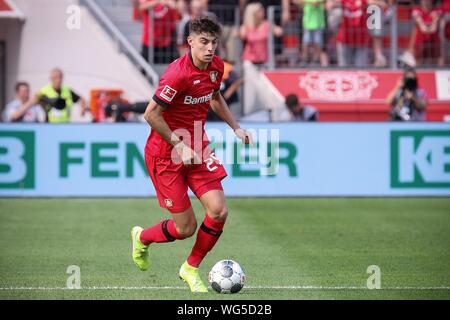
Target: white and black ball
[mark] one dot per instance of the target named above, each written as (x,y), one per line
(227,276)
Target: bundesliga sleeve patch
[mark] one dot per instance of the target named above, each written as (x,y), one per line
(168,93)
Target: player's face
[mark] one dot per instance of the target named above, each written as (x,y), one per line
(203,46)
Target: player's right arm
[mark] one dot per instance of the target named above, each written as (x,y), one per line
(153,116)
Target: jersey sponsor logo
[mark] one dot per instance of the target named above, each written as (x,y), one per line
(196,81)
(192,100)
(213,76)
(168,93)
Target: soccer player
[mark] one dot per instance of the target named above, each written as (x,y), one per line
(177,155)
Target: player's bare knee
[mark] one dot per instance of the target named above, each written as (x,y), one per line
(192,229)
(219,213)
(188,230)
(183,232)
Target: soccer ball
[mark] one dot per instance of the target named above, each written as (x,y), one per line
(227,276)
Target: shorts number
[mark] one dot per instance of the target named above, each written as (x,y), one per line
(210,161)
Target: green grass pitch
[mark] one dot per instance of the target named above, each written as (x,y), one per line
(306,248)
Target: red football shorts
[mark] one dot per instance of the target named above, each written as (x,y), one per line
(172,180)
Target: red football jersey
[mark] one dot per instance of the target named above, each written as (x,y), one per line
(186,92)
(161,25)
(427,17)
(353,28)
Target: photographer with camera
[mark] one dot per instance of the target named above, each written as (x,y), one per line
(56,99)
(407,100)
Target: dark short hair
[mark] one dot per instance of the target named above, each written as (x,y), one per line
(21,83)
(204,25)
(291,100)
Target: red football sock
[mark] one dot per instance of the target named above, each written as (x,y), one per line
(207,236)
(161,232)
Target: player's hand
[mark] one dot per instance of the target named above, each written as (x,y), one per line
(244,135)
(187,155)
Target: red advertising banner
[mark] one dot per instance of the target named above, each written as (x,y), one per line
(359,95)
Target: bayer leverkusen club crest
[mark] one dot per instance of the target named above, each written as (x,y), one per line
(168,202)
(213,76)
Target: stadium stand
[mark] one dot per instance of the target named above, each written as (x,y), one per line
(340,94)
(120,13)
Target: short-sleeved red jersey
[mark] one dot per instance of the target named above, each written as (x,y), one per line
(185,91)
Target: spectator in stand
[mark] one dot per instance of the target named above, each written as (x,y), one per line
(225,12)
(407,100)
(13,112)
(195,9)
(313,28)
(424,46)
(298,111)
(136,11)
(278,17)
(278,41)
(311,35)
(285,11)
(445,29)
(353,37)
(255,32)
(159,18)
(378,33)
(425,42)
(56,98)
(333,14)
(284,5)
(231,81)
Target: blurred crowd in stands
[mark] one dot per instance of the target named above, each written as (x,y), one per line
(53,103)
(305,33)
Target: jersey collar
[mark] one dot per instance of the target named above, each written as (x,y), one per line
(193,64)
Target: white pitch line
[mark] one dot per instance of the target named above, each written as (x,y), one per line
(345,288)
(92,288)
(245,287)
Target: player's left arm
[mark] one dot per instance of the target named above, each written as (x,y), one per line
(220,107)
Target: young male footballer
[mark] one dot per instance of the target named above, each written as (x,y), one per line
(177,155)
